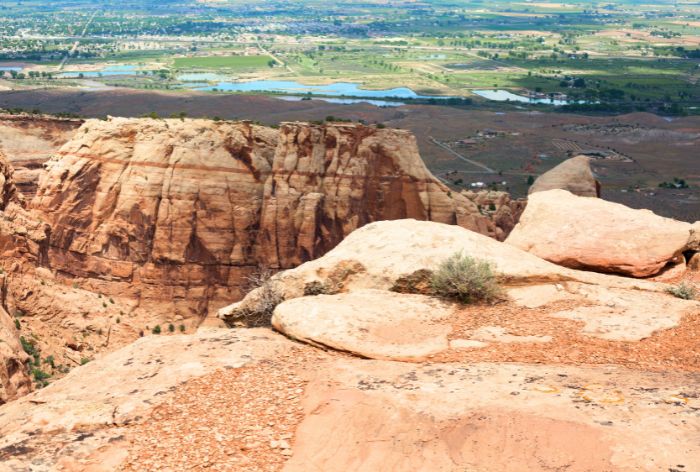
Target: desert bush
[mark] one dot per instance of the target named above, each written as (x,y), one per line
(683,290)
(466,279)
(156,330)
(265,300)
(40,377)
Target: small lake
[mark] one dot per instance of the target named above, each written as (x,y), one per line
(338,89)
(343,101)
(108,71)
(8,69)
(506,96)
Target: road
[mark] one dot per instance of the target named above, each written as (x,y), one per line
(459,156)
(77,42)
(275,58)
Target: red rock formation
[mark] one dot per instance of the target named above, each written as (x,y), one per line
(8,190)
(14,378)
(28,141)
(574,175)
(184,210)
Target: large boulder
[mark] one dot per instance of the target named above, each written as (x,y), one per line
(574,175)
(386,254)
(593,234)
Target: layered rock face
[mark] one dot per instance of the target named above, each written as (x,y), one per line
(589,233)
(29,141)
(186,209)
(14,378)
(8,192)
(14,375)
(574,175)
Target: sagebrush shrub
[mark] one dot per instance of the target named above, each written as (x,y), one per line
(683,290)
(466,279)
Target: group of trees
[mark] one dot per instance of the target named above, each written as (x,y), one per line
(17,75)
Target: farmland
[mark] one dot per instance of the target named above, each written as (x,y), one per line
(612,57)
(222,62)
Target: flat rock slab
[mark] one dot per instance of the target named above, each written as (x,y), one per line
(501,335)
(354,414)
(370,323)
(391,416)
(626,315)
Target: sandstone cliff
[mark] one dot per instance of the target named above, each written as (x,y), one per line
(185,209)
(8,190)
(29,140)
(14,376)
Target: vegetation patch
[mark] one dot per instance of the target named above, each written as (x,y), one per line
(684,291)
(466,279)
(222,62)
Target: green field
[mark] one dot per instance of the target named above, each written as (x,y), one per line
(222,62)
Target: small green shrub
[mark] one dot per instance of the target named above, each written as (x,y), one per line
(156,330)
(84,360)
(17,325)
(182,328)
(171,328)
(28,346)
(40,377)
(683,290)
(466,279)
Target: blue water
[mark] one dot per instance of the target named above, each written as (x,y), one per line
(338,89)
(506,96)
(108,71)
(343,101)
(7,68)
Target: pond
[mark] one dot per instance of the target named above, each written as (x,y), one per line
(338,89)
(506,96)
(343,101)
